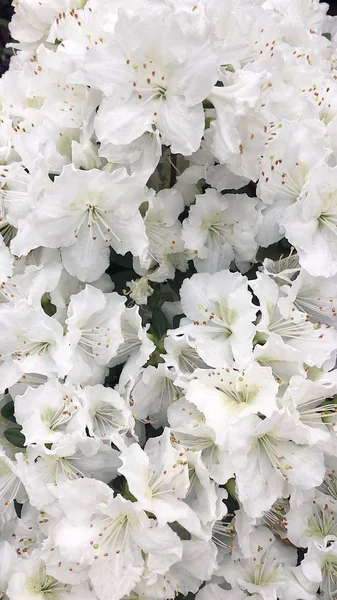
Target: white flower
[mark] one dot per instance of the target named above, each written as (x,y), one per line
(288,160)
(161,480)
(316,296)
(204,496)
(298,586)
(181,353)
(10,482)
(152,79)
(148,148)
(140,289)
(141,156)
(311,223)
(220,317)
(284,170)
(31,342)
(190,433)
(284,270)
(197,563)
(261,573)
(32,22)
(32,284)
(6,263)
(135,346)
(313,403)
(283,360)
(227,395)
(47,412)
(105,413)
(320,566)
(212,591)
(111,537)
(9,559)
(32,582)
(221,228)
(93,332)
(240,92)
(316,343)
(314,520)
(221,178)
(153,393)
(271,457)
(71,457)
(162,226)
(84,213)
(25,534)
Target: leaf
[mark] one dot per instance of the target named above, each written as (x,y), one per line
(7,411)
(176,320)
(18,508)
(124,261)
(231,488)
(121,278)
(159,322)
(14,436)
(208,122)
(207,104)
(48,307)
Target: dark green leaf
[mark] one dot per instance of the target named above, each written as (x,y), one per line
(7,411)
(176,320)
(121,278)
(122,261)
(14,436)
(48,307)
(207,104)
(18,508)
(159,322)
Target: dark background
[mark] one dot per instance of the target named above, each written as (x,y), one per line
(333,7)
(5,16)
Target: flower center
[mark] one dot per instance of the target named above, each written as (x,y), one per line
(150,80)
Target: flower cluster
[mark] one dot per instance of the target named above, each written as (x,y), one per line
(168,289)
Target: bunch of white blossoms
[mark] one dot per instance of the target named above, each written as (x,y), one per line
(168,316)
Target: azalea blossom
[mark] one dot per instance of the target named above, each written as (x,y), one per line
(168,265)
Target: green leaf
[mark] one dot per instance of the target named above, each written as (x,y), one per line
(327,35)
(126,492)
(48,307)
(176,320)
(231,487)
(208,122)
(14,436)
(207,104)
(159,322)
(7,411)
